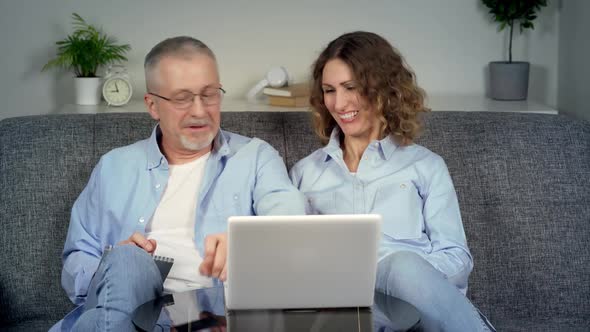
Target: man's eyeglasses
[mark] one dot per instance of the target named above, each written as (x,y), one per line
(210,96)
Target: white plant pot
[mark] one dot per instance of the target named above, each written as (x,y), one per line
(88,90)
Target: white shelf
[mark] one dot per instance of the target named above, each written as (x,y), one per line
(132,106)
(483,104)
(228,105)
(239,105)
(436,103)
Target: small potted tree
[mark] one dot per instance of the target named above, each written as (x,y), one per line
(509,80)
(84,52)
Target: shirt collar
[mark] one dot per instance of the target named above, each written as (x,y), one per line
(155,157)
(221,146)
(385,146)
(332,149)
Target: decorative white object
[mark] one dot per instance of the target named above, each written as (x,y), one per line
(275,77)
(117,89)
(87,90)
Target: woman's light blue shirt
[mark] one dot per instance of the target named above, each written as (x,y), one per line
(409,186)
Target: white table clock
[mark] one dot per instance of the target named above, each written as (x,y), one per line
(117,89)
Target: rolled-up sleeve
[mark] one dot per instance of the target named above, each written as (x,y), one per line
(82,251)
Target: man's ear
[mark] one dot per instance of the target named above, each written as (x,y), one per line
(151,106)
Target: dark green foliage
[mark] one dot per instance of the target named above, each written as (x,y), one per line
(86,50)
(509,12)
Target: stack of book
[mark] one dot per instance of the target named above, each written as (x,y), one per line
(294,95)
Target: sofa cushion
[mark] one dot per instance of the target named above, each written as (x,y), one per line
(29,326)
(542,324)
(523,184)
(522,180)
(44,164)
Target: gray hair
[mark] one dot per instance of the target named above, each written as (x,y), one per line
(182,46)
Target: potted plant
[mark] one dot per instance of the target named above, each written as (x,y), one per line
(84,52)
(509,80)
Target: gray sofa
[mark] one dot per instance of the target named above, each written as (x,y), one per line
(523,182)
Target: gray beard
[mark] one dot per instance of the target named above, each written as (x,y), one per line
(196,146)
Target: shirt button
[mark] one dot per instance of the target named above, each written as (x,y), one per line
(141,220)
(235,197)
(403,186)
(158,186)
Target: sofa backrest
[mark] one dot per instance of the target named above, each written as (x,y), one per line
(522,179)
(523,182)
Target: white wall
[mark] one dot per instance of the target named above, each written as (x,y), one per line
(574,59)
(448,43)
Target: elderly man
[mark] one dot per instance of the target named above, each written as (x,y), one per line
(170,195)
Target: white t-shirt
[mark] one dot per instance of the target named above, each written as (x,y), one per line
(173,226)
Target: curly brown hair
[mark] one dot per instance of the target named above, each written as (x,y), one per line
(386,82)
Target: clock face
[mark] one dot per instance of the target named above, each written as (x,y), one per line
(116,91)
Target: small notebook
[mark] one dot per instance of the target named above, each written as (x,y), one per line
(164,264)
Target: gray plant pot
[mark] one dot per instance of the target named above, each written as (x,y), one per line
(509,80)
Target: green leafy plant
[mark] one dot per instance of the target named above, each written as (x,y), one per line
(87,49)
(509,12)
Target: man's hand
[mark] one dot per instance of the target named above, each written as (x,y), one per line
(141,241)
(214,262)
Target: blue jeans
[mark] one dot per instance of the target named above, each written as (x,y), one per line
(442,306)
(126,278)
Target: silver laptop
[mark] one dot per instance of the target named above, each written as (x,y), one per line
(311,261)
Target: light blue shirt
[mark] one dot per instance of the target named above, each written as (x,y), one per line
(243,176)
(410,187)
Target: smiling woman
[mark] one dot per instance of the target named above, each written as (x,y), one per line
(375,79)
(367,107)
(351,111)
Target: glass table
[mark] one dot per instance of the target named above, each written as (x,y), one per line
(204,310)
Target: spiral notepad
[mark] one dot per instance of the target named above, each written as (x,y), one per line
(163,263)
